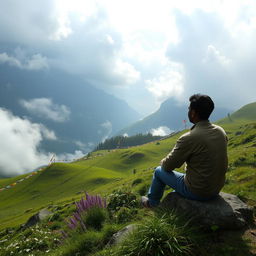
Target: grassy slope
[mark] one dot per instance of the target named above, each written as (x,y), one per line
(108,170)
(60,182)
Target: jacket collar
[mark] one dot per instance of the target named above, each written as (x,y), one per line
(200,124)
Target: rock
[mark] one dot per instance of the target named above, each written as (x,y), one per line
(41,215)
(118,237)
(226,211)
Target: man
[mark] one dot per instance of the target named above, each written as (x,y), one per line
(203,149)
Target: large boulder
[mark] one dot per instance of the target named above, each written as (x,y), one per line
(226,211)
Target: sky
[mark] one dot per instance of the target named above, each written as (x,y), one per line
(143,52)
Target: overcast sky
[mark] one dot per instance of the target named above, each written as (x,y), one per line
(141,51)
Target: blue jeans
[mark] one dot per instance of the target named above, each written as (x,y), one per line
(173,179)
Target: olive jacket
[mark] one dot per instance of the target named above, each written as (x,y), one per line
(204,151)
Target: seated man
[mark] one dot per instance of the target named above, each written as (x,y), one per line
(203,149)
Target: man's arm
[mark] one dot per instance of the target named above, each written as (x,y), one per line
(178,155)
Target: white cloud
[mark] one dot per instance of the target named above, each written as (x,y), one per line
(160,131)
(105,130)
(20,141)
(101,42)
(126,72)
(170,83)
(44,107)
(85,146)
(125,135)
(46,133)
(19,144)
(69,157)
(214,56)
(36,62)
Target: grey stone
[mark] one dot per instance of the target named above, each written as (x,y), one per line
(33,220)
(226,211)
(118,237)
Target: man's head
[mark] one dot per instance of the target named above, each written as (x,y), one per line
(200,108)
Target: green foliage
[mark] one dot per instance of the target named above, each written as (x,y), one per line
(158,236)
(143,189)
(122,141)
(81,244)
(137,181)
(125,214)
(120,198)
(32,241)
(94,217)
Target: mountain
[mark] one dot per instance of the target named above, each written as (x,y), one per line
(170,114)
(78,113)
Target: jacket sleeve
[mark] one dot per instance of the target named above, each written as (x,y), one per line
(179,154)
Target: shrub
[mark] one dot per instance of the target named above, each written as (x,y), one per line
(125,214)
(94,217)
(120,198)
(81,244)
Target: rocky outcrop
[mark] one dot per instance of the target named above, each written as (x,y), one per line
(226,211)
(33,220)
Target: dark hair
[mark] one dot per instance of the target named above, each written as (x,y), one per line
(202,104)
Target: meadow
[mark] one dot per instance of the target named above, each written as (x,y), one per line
(116,174)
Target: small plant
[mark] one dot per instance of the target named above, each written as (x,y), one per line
(125,214)
(95,217)
(85,209)
(120,198)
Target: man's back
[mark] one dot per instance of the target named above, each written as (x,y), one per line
(207,159)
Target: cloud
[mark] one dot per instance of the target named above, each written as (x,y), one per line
(44,107)
(36,62)
(19,144)
(99,41)
(69,157)
(212,63)
(214,56)
(126,72)
(160,131)
(105,130)
(32,22)
(168,84)
(85,146)
(20,141)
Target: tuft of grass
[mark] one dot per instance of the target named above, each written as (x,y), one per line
(158,236)
(81,244)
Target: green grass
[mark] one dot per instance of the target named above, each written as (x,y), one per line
(60,184)
(105,170)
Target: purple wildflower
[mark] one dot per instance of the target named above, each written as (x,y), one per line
(82,206)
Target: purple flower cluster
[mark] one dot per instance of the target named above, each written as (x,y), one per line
(82,206)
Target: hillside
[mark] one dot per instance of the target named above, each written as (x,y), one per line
(247,113)
(61,184)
